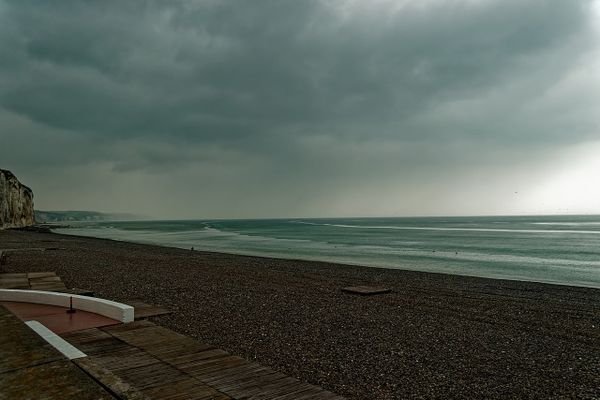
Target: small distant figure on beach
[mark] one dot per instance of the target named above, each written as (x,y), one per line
(192,249)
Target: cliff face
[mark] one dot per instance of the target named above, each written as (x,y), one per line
(16,202)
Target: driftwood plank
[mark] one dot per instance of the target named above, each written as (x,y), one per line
(366,290)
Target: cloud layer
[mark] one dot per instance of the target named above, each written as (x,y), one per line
(317,107)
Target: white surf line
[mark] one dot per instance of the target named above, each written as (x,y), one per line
(423,228)
(565,223)
(64,347)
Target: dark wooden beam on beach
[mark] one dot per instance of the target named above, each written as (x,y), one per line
(366,290)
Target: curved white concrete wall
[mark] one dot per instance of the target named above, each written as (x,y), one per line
(111,309)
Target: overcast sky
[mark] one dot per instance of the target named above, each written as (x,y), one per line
(299,108)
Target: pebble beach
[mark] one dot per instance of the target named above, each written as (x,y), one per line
(433,336)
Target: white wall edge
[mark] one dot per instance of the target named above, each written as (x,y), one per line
(66,348)
(111,309)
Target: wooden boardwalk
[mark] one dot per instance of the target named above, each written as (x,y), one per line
(162,364)
(30,368)
(134,361)
(145,310)
(37,281)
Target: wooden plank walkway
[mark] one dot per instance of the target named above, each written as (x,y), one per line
(37,281)
(163,364)
(141,360)
(30,368)
(144,310)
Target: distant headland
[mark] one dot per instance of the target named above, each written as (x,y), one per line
(73,216)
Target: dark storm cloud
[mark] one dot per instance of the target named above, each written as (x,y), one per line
(289,87)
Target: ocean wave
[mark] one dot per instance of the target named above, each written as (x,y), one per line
(569,259)
(427,228)
(567,223)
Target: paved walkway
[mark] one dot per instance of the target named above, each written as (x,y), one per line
(56,318)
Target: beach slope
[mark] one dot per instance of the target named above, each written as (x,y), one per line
(433,336)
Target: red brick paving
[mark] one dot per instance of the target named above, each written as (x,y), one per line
(56,318)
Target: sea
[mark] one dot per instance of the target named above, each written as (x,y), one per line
(552,249)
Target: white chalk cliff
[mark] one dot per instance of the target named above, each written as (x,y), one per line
(16,202)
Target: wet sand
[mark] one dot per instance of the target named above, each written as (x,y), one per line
(434,336)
